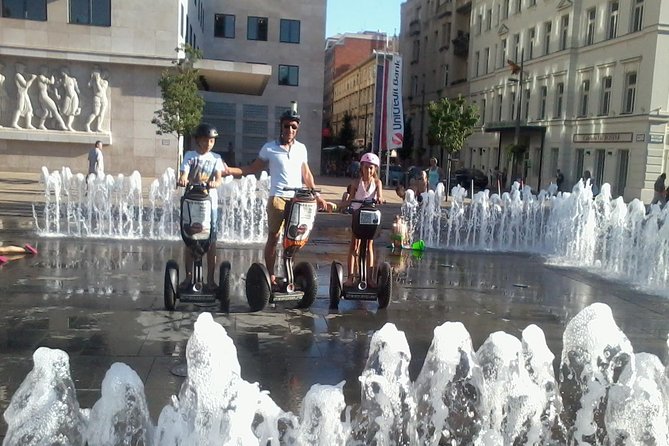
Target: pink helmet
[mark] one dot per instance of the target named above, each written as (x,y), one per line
(371,158)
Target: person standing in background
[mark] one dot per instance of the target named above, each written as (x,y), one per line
(434,174)
(660,195)
(96,165)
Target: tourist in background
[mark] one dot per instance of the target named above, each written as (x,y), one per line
(96,164)
(660,195)
(435,174)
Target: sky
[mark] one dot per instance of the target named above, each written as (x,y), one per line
(362,15)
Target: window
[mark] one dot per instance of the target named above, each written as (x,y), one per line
(505,10)
(479,23)
(532,35)
(527,104)
(224,26)
(21,9)
(445,34)
(580,154)
(518,5)
(256,28)
(512,105)
(637,15)
(559,98)
(444,76)
(499,107)
(499,14)
(90,12)
(483,105)
(516,48)
(416,50)
(486,60)
(414,86)
(542,102)
(606,95)
(289,75)
(630,92)
(533,2)
(623,162)
(564,31)
(585,94)
(548,27)
(488,19)
(290,31)
(502,58)
(182,20)
(476,63)
(590,29)
(612,30)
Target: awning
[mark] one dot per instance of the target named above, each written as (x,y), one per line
(510,126)
(233,77)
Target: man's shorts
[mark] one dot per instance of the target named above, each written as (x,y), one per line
(275,210)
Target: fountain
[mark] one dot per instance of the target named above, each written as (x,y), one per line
(602,235)
(113,207)
(502,394)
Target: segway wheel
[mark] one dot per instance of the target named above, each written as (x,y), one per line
(258,288)
(336,281)
(306,281)
(223,293)
(171,285)
(385,284)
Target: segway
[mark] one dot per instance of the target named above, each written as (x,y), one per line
(197,231)
(366,222)
(300,283)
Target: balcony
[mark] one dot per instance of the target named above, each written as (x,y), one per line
(461,44)
(444,9)
(463,6)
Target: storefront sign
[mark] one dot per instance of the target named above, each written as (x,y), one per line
(656,138)
(603,137)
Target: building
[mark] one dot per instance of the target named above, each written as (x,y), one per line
(289,39)
(72,67)
(343,52)
(592,94)
(434,42)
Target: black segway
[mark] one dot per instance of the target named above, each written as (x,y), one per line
(300,282)
(197,231)
(366,222)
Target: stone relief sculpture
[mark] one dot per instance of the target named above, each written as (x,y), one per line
(99,84)
(24,108)
(48,108)
(70,97)
(4,99)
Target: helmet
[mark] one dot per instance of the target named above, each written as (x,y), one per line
(371,158)
(290,115)
(205,130)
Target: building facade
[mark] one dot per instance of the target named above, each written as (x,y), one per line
(289,39)
(72,73)
(434,42)
(344,52)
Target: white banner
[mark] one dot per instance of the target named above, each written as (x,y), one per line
(394,111)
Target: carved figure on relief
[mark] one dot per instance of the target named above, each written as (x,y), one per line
(24,108)
(70,97)
(48,108)
(4,98)
(99,84)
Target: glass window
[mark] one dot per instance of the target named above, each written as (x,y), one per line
(486,60)
(542,102)
(90,12)
(612,30)
(585,95)
(606,95)
(500,103)
(564,31)
(483,105)
(479,23)
(477,61)
(256,28)
(290,31)
(532,34)
(24,9)
(527,104)
(224,26)
(289,75)
(488,18)
(502,58)
(505,10)
(630,92)
(548,27)
(516,48)
(637,15)
(590,30)
(559,98)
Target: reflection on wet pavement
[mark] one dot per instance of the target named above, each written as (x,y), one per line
(102,301)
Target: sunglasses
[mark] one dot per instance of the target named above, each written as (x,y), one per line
(290,126)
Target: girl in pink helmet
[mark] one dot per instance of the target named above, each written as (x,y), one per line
(365,187)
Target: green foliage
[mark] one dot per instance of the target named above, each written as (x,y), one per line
(451,122)
(346,133)
(517,150)
(182,103)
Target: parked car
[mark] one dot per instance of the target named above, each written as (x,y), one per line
(464,178)
(396,175)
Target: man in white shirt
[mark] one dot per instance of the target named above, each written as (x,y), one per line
(288,168)
(96,164)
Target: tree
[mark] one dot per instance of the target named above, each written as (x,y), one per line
(451,123)
(182,103)
(346,133)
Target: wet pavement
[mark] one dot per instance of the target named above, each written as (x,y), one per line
(101,301)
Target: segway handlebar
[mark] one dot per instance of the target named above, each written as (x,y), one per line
(367,202)
(303,191)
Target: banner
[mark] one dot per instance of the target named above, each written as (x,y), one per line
(394,114)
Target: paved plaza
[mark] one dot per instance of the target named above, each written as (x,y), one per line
(101,301)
